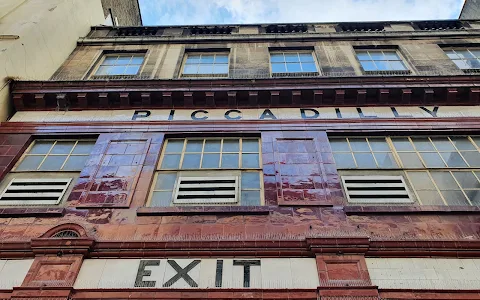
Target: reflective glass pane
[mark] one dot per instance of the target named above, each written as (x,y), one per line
(402,144)
(377,55)
(190,69)
(207,59)
(41,147)
(250,146)
(211,161)
(475,53)
(250,198)
(194,146)
(309,67)
(165,181)
(230,161)
(473,63)
(161,199)
(279,68)
(205,69)
(344,160)
(62,147)
(359,144)
(378,144)
(306,57)
(221,59)
(250,161)
(292,57)
(212,145)
(423,144)
(443,144)
(191,161)
(421,181)
(391,55)
(53,163)
(474,196)
(137,60)
(277,58)
(171,161)
(476,139)
(397,65)
(368,65)
(132,70)
(365,160)
(363,56)
(451,54)
(472,158)
(382,65)
(75,163)
(339,145)
(102,70)
(444,181)
(123,60)
(84,147)
(462,143)
(430,198)
(30,163)
(461,64)
(464,54)
(453,159)
(116,70)
(467,180)
(193,59)
(385,160)
(174,146)
(432,160)
(410,160)
(109,60)
(455,198)
(220,69)
(294,67)
(231,145)
(250,180)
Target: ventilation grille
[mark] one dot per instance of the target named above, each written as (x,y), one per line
(362,27)
(440,25)
(290,28)
(65,234)
(136,31)
(206,190)
(376,189)
(211,30)
(34,191)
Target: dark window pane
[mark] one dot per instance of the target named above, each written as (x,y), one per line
(467,180)
(231,145)
(191,161)
(443,144)
(432,160)
(166,181)
(410,160)
(385,160)
(472,158)
(430,198)
(75,163)
(250,146)
(250,161)
(444,181)
(171,161)
(161,199)
(462,143)
(378,144)
(359,145)
(402,144)
(212,146)
(344,160)
(421,181)
(339,145)
(41,147)
(211,161)
(53,163)
(250,180)
(194,146)
(30,163)
(423,144)
(84,147)
(455,198)
(62,147)
(174,146)
(250,198)
(365,160)
(453,159)
(230,161)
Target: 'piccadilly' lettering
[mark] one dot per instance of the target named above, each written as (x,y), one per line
(303,113)
(194,115)
(433,112)
(397,115)
(229,117)
(141,114)
(362,115)
(170,116)
(267,114)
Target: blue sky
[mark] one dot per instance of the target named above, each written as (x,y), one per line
(188,12)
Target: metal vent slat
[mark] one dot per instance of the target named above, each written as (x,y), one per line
(206,190)
(25,191)
(376,189)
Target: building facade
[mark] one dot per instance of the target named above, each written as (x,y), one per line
(471,10)
(277,161)
(122,12)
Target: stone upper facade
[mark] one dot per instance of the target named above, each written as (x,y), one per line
(471,10)
(125,12)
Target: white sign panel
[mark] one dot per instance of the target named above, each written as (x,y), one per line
(13,272)
(402,112)
(269,273)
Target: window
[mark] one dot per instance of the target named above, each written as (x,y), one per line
(465,59)
(441,170)
(379,61)
(284,63)
(44,174)
(206,65)
(120,64)
(209,171)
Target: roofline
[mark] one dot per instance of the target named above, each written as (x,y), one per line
(463,8)
(140,12)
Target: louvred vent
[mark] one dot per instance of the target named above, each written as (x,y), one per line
(206,190)
(440,25)
(376,189)
(34,191)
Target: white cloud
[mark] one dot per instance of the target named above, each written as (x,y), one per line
(177,12)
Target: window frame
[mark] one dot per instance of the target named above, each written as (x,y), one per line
(293,74)
(105,54)
(408,68)
(202,76)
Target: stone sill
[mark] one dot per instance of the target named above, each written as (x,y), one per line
(24,212)
(204,210)
(367,210)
